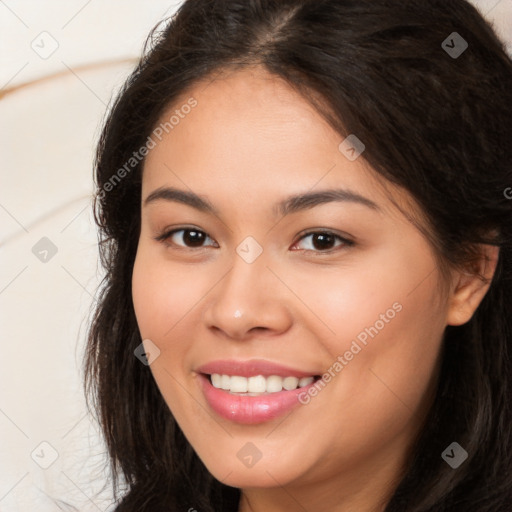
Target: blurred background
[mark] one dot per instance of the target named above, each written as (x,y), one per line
(60,65)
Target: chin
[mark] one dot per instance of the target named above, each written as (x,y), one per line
(237,472)
(252,478)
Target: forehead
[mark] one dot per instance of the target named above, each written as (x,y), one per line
(249,113)
(251,135)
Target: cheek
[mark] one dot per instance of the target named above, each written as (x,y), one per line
(387,328)
(346,300)
(391,294)
(163,295)
(381,384)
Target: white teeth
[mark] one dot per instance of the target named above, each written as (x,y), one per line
(305,381)
(274,384)
(239,384)
(217,380)
(225,382)
(290,383)
(258,384)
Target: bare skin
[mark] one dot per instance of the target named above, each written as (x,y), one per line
(250,142)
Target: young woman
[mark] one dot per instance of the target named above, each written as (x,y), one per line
(306,226)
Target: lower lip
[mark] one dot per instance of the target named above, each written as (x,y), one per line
(250,409)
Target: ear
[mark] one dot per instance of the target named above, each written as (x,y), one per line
(469,287)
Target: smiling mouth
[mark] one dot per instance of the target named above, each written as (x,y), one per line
(254,398)
(258,385)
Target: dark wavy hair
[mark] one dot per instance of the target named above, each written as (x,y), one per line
(434,123)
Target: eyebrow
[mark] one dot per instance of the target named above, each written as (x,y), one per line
(289,205)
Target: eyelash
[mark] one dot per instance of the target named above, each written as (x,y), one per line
(164,236)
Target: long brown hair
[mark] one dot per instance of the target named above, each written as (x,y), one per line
(436,123)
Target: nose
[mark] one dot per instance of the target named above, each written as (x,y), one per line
(249,301)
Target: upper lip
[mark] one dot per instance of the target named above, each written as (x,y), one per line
(251,368)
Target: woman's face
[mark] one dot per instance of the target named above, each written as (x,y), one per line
(258,279)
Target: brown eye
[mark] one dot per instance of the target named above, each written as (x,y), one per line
(325,241)
(190,237)
(193,238)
